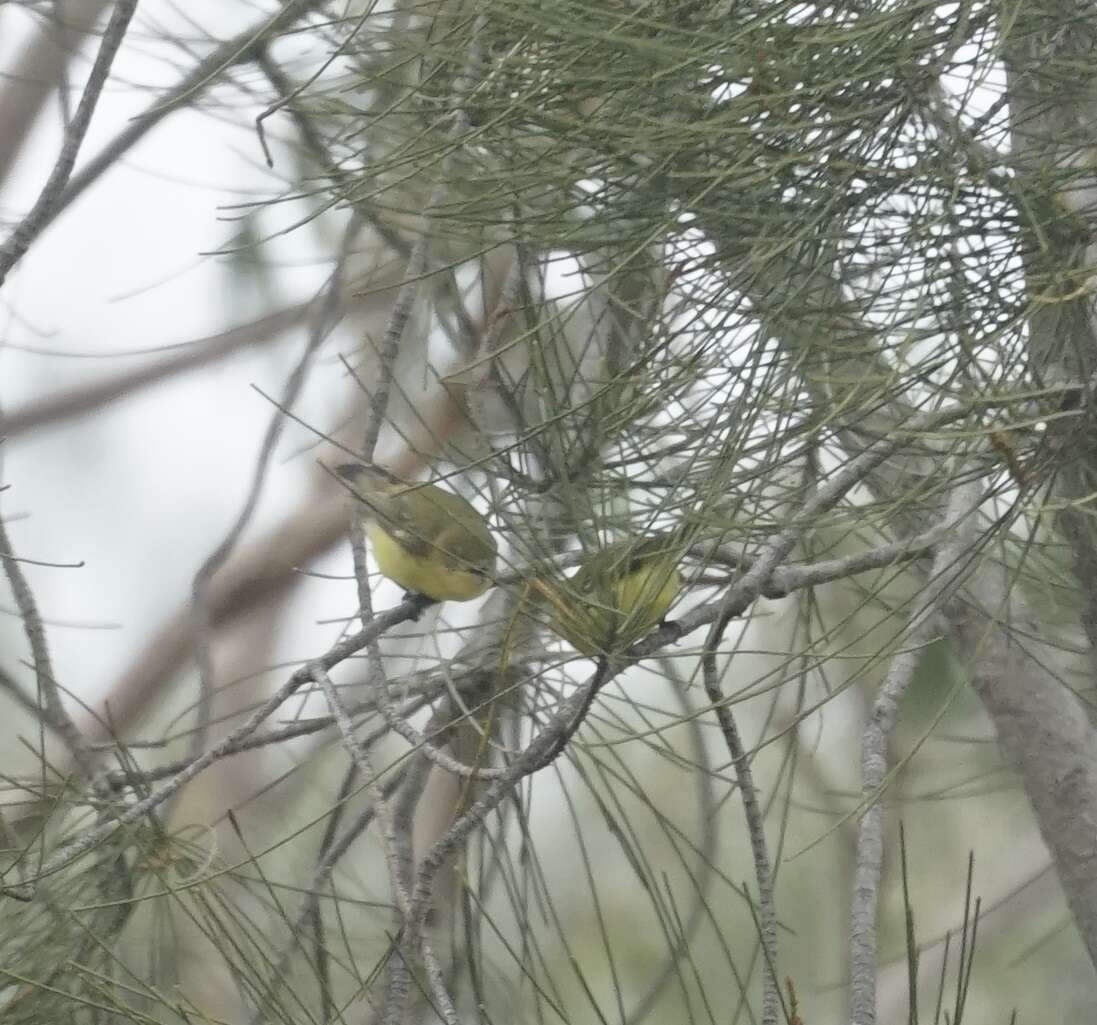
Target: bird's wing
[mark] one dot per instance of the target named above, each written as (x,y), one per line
(438,521)
(393,512)
(473,549)
(600,576)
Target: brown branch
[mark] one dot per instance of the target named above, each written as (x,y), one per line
(75,402)
(262,572)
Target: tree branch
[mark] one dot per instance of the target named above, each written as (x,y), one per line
(71,850)
(45,207)
(950,563)
(55,409)
(37,72)
(53,709)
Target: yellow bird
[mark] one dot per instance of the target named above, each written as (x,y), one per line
(618,595)
(429,541)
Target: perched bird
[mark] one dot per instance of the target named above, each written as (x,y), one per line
(429,541)
(617,596)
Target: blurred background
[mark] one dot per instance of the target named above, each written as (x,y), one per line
(147,342)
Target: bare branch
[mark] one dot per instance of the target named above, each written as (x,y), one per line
(45,207)
(360,756)
(54,409)
(756,828)
(73,849)
(949,565)
(53,708)
(34,76)
(327,315)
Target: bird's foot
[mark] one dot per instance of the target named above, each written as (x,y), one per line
(674,626)
(418,603)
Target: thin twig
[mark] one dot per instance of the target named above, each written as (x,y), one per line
(240,49)
(395,843)
(539,753)
(325,866)
(53,710)
(949,563)
(75,848)
(752,811)
(361,758)
(201,352)
(49,199)
(326,315)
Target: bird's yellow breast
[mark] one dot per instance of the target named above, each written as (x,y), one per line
(431,573)
(619,611)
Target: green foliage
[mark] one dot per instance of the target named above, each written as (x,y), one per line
(746,241)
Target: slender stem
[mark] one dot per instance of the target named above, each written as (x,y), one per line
(237,50)
(394,842)
(333,851)
(53,711)
(49,199)
(189,355)
(80,845)
(326,315)
(756,829)
(949,564)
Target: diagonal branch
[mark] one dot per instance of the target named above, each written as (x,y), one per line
(54,409)
(36,73)
(240,49)
(80,845)
(45,207)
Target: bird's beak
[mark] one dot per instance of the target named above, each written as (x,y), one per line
(349,471)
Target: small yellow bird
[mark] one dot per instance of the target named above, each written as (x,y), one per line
(618,595)
(429,541)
